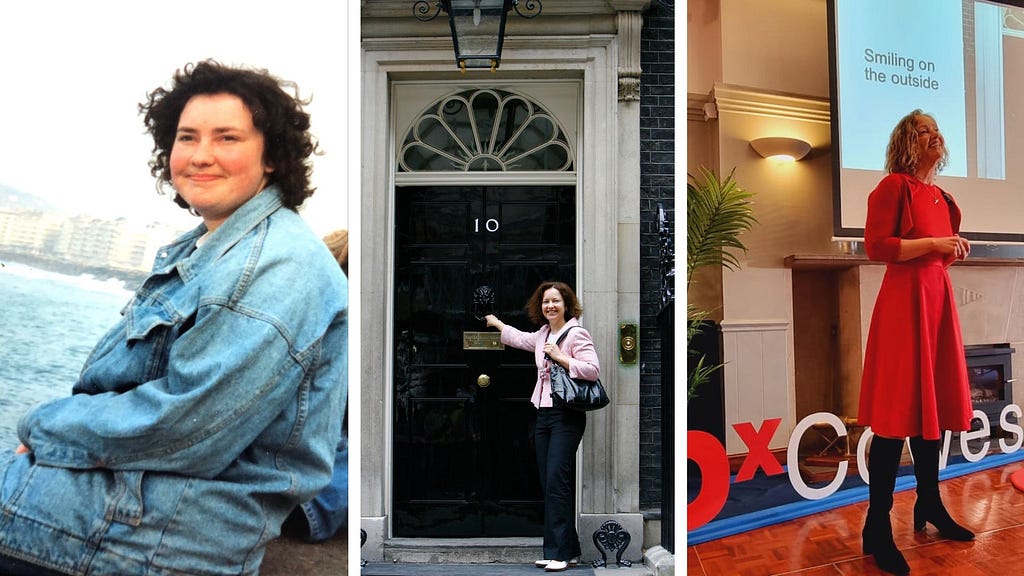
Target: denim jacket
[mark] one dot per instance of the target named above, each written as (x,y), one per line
(200,420)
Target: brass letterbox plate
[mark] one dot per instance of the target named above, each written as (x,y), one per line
(482,341)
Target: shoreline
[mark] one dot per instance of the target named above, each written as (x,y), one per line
(129,279)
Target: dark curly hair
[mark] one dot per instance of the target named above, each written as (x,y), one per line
(277,114)
(534,307)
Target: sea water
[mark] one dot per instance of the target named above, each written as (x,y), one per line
(49,323)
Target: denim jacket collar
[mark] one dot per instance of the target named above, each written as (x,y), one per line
(180,254)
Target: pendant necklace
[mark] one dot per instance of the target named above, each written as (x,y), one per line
(931,189)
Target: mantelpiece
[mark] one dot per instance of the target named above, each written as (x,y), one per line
(842,261)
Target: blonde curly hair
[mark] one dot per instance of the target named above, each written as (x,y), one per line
(901,154)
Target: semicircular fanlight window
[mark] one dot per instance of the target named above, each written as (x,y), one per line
(485,130)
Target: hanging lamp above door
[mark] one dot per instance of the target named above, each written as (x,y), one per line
(478,26)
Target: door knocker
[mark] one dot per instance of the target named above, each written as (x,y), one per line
(483,302)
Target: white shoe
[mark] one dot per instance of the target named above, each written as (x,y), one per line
(556,566)
(542,563)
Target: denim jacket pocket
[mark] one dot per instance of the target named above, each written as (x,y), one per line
(127,507)
(150,330)
(144,319)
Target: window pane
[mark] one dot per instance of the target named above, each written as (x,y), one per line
(485,130)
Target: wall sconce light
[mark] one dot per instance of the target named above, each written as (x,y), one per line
(478,26)
(781,148)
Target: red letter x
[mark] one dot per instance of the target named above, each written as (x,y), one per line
(759,455)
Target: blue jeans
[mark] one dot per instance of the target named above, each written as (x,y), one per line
(328,511)
(558,434)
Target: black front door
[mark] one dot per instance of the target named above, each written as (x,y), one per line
(464,462)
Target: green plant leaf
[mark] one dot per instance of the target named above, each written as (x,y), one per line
(717,212)
(699,375)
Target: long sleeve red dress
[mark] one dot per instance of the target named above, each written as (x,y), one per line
(915,373)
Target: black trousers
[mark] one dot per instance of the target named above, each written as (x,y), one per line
(12,567)
(558,434)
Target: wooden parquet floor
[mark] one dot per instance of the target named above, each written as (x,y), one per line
(829,543)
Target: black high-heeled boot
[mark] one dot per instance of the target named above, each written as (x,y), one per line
(883,463)
(929,507)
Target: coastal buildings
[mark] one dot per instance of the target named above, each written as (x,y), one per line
(86,243)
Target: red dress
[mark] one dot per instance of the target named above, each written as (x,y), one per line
(915,373)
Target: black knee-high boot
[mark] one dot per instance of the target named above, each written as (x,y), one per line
(883,463)
(929,507)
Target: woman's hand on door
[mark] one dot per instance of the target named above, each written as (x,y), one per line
(493,322)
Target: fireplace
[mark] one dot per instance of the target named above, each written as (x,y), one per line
(990,374)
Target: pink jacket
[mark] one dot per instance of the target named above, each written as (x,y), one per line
(577,344)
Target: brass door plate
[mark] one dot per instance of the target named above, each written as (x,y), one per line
(482,341)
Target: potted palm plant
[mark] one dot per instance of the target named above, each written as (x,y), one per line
(717,213)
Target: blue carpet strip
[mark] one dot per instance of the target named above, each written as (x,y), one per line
(466,570)
(752,520)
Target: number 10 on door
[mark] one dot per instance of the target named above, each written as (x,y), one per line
(491,225)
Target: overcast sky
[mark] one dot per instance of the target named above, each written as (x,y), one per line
(73,74)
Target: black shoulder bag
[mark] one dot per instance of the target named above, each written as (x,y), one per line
(574,393)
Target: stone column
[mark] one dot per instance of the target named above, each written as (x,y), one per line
(611,477)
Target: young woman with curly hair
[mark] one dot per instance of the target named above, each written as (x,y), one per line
(213,407)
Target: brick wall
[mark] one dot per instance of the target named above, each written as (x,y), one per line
(657,184)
